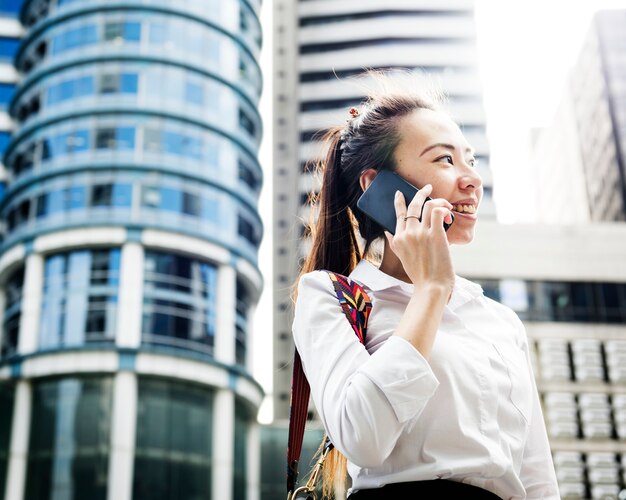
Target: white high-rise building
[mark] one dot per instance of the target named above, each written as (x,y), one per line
(318,45)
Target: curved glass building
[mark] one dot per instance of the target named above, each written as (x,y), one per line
(128,265)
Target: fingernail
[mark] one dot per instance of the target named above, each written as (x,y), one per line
(397,194)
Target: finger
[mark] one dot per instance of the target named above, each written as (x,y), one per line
(429,206)
(389,237)
(400,206)
(415,207)
(437,217)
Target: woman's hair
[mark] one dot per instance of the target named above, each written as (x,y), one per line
(367,140)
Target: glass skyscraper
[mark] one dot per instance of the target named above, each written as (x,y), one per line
(128,261)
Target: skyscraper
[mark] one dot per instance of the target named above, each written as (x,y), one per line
(318,45)
(593,151)
(128,264)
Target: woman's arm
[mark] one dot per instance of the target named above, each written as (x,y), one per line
(365,401)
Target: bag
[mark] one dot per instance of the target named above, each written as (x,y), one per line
(356,306)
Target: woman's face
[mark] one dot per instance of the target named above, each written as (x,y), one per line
(433,150)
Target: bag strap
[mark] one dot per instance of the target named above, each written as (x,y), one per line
(356,305)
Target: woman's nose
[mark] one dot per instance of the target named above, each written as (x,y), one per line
(470,177)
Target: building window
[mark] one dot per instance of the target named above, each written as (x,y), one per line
(6,418)
(242,308)
(179,302)
(248,176)
(249,231)
(246,123)
(120,138)
(69,442)
(240,470)
(111,195)
(116,83)
(174,440)
(122,31)
(12,313)
(582,302)
(79,298)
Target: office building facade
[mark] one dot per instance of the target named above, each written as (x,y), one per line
(128,262)
(318,46)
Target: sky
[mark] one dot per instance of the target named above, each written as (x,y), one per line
(526,49)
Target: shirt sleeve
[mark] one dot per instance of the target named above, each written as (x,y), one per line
(537,472)
(365,401)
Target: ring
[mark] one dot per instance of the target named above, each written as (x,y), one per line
(411,217)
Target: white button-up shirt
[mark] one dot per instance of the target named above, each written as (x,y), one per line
(471,413)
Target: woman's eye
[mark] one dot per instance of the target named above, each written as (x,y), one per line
(473,162)
(447,158)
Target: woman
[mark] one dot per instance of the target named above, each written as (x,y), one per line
(441,400)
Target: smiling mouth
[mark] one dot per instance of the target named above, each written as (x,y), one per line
(464,209)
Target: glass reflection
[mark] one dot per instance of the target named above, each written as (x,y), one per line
(79,298)
(173,451)
(6,418)
(69,439)
(12,313)
(179,301)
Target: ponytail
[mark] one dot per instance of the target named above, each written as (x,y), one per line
(335,245)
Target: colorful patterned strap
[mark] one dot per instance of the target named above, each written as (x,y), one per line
(356,306)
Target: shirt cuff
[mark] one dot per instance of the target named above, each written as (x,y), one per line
(403,375)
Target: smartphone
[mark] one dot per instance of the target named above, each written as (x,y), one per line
(377,200)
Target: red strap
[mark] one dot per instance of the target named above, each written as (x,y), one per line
(356,306)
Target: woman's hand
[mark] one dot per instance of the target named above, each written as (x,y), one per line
(422,247)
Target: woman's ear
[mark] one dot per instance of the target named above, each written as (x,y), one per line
(367,176)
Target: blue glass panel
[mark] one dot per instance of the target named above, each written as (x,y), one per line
(211,152)
(79,274)
(66,90)
(51,315)
(125,138)
(192,147)
(128,83)
(122,194)
(171,199)
(114,267)
(172,142)
(76,198)
(56,201)
(53,94)
(8,47)
(194,93)
(85,86)
(6,92)
(210,210)
(5,138)
(158,33)
(78,140)
(132,31)
(10,6)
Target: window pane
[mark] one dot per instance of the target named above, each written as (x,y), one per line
(101,195)
(69,438)
(173,451)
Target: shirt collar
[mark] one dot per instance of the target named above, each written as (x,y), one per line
(374,279)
